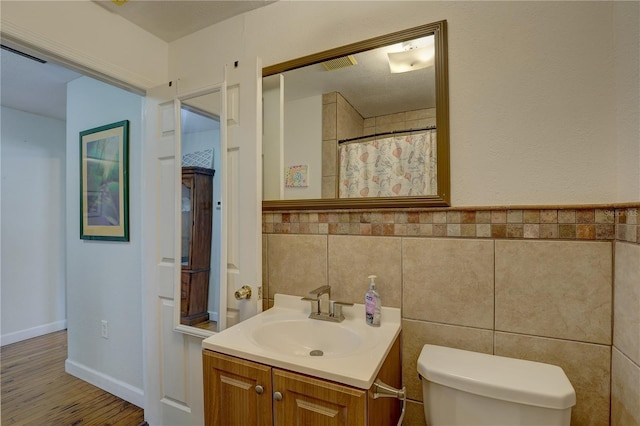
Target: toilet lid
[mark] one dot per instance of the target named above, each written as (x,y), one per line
(507,379)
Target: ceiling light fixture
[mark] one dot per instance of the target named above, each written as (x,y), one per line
(411,58)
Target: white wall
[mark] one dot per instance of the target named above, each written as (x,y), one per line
(531,85)
(627,90)
(104,279)
(200,141)
(32,286)
(272,150)
(302,131)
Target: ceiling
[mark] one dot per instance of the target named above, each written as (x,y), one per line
(30,86)
(38,88)
(368,85)
(171,20)
(24,81)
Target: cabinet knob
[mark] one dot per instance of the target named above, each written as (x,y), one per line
(259,389)
(277,396)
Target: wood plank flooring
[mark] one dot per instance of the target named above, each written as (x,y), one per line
(37,391)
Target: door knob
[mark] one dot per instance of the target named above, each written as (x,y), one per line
(259,389)
(243,293)
(277,396)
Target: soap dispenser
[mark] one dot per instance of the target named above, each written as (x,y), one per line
(372,304)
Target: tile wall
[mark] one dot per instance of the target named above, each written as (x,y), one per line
(339,121)
(531,283)
(625,366)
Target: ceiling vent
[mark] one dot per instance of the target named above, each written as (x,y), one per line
(26,55)
(342,62)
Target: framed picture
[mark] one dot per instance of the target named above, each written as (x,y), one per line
(296,176)
(104,182)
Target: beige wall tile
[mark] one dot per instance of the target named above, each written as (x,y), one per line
(554,289)
(265,268)
(419,114)
(416,334)
(350,123)
(626,316)
(353,258)
(625,391)
(329,125)
(329,157)
(390,118)
(329,187)
(329,98)
(297,263)
(448,281)
(414,414)
(267,304)
(586,365)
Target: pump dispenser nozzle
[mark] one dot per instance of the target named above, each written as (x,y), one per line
(372,284)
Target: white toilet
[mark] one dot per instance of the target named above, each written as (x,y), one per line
(475,389)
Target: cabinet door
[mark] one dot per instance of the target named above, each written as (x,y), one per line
(236,392)
(313,402)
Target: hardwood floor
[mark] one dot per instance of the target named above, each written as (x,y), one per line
(37,391)
(208,325)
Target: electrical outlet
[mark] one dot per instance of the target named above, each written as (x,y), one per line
(105,329)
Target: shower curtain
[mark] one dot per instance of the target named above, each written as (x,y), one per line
(399,165)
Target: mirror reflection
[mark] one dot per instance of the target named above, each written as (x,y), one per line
(359,122)
(200,213)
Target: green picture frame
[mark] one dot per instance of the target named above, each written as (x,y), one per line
(104,182)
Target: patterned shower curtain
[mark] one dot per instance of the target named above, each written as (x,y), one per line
(402,165)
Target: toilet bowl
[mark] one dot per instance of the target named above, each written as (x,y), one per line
(474,389)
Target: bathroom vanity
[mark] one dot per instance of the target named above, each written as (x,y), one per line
(281,367)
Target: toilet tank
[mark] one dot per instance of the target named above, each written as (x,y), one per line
(470,388)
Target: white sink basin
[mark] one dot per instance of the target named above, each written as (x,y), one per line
(284,337)
(307,337)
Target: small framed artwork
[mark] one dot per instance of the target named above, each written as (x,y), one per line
(104,182)
(296,176)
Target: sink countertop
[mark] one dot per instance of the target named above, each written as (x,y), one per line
(357,368)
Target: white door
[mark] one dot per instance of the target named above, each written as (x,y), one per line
(173,361)
(169,376)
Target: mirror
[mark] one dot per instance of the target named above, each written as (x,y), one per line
(345,129)
(200,135)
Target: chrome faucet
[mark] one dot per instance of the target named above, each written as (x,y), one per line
(325,289)
(334,311)
(315,297)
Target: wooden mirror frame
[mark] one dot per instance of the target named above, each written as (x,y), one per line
(443,197)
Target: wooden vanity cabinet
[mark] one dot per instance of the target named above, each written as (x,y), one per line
(236,392)
(197,214)
(246,393)
(310,401)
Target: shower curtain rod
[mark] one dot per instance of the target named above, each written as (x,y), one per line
(395,132)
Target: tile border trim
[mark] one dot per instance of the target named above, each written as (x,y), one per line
(613,222)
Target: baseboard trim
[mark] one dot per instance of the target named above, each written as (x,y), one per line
(213,316)
(117,387)
(29,333)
